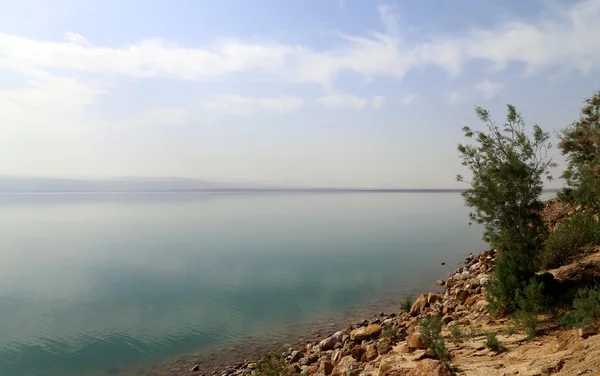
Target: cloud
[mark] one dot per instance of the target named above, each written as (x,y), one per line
(564,39)
(488,89)
(343,101)
(454,97)
(378,102)
(409,99)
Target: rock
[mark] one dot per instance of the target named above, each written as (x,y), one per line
(587,331)
(294,369)
(462,295)
(470,301)
(365,333)
(296,356)
(484,279)
(447,319)
(414,341)
(347,367)
(195,368)
(440,282)
(393,366)
(419,305)
(325,368)
(328,343)
(336,356)
(433,298)
(309,360)
(384,346)
(429,367)
(442,263)
(357,352)
(370,353)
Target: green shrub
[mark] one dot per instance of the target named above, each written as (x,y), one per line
(528,321)
(511,274)
(272,364)
(406,304)
(492,342)
(390,331)
(586,308)
(456,334)
(431,334)
(569,239)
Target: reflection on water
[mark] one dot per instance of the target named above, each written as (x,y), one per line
(94,282)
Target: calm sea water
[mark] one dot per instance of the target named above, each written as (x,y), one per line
(94,283)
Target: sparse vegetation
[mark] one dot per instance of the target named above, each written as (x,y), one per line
(272,364)
(586,308)
(492,342)
(456,335)
(406,304)
(431,335)
(390,331)
(570,239)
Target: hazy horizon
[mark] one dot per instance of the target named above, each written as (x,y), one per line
(341,93)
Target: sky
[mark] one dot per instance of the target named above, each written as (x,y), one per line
(353,93)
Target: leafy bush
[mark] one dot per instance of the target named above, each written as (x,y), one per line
(508,167)
(431,335)
(531,302)
(569,239)
(390,331)
(511,273)
(586,308)
(406,304)
(492,342)
(580,143)
(456,335)
(272,364)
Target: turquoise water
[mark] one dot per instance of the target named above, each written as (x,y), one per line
(91,284)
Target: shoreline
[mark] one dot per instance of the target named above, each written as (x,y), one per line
(234,359)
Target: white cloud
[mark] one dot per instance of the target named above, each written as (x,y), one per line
(566,39)
(377,102)
(409,99)
(455,97)
(343,101)
(488,89)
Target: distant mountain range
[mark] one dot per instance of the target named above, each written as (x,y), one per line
(9,184)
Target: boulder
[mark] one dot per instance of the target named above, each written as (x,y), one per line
(357,352)
(296,356)
(329,342)
(471,300)
(347,367)
(294,369)
(370,353)
(433,298)
(462,295)
(307,361)
(430,367)
(447,319)
(419,305)
(326,368)
(394,365)
(414,341)
(365,333)
(440,282)
(384,346)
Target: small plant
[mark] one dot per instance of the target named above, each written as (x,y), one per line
(586,308)
(473,332)
(431,335)
(531,302)
(272,364)
(406,304)
(390,331)
(492,342)
(456,335)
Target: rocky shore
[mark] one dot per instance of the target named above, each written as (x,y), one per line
(389,343)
